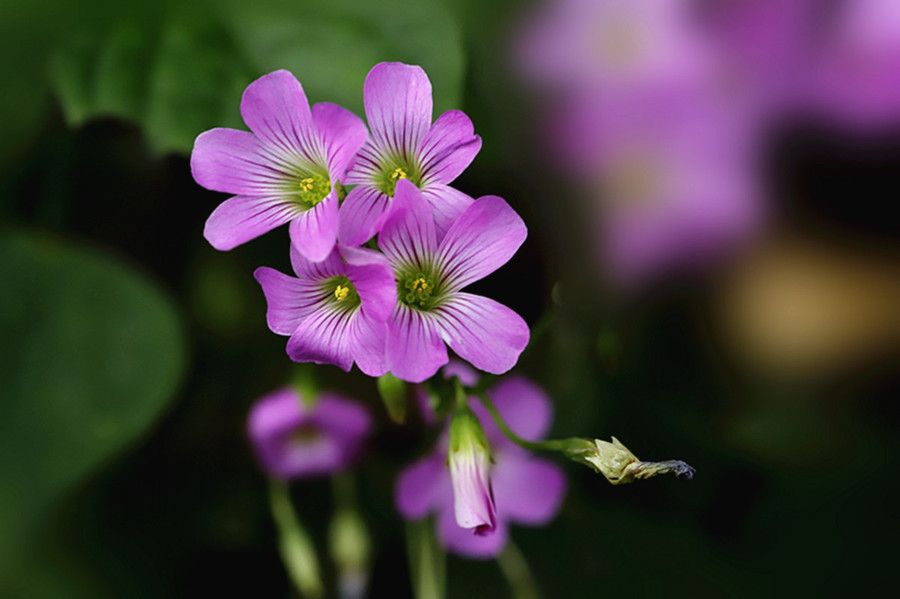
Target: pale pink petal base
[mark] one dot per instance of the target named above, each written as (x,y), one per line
(314,232)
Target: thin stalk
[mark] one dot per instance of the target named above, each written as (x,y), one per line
(549,445)
(515,568)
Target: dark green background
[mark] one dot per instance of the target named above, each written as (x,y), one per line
(131,350)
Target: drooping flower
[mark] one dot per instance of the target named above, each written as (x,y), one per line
(334,310)
(287,169)
(431,309)
(527,490)
(294,438)
(405,144)
(469,460)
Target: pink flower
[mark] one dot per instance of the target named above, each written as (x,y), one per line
(286,171)
(296,439)
(432,311)
(335,310)
(405,144)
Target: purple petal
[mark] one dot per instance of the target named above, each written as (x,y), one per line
(235,162)
(408,235)
(467,375)
(322,338)
(524,406)
(448,148)
(290,300)
(343,418)
(277,111)
(368,341)
(331,266)
(447,204)
(342,134)
(527,489)
(481,240)
(276,413)
(422,487)
(287,458)
(367,165)
(415,350)
(482,331)
(362,215)
(239,219)
(270,425)
(373,279)
(398,105)
(856,79)
(314,232)
(465,542)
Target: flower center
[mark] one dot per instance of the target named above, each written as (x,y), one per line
(635,182)
(417,290)
(313,189)
(342,292)
(393,172)
(304,436)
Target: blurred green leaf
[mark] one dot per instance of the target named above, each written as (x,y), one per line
(91,355)
(182,70)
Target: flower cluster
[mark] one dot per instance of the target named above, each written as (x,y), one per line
(397,303)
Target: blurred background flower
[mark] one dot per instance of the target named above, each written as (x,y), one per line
(710,273)
(298,437)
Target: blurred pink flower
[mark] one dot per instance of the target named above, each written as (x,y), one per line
(296,439)
(856,79)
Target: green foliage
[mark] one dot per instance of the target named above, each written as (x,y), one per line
(91,355)
(179,70)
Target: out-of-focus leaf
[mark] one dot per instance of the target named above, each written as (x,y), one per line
(182,70)
(175,74)
(91,354)
(27,29)
(330,45)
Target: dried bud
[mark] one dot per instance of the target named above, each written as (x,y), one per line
(616,462)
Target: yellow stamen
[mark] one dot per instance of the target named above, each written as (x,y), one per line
(307,184)
(399,173)
(341,292)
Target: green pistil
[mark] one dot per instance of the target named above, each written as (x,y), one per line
(313,189)
(417,290)
(395,171)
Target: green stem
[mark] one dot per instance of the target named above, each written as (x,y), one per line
(427,561)
(549,445)
(297,550)
(517,573)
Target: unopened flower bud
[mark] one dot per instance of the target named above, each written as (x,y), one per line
(469,459)
(393,394)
